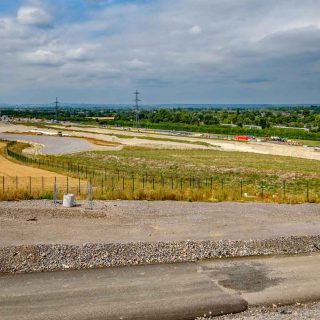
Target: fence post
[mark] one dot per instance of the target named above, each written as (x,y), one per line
(284,188)
(30,188)
(122,183)
(133,189)
(16,183)
(3,184)
(55,192)
(262,189)
(79,185)
(153,183)
(307,191)
(143,182)
(211,183)
(102,185)
(90,194)
(181,182)
(222,185)
(171,183)
(67,184)
(112,183)
(42,184)
(241,188)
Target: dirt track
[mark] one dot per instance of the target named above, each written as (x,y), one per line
(139,140)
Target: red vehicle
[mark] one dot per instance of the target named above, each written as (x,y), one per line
(242,138)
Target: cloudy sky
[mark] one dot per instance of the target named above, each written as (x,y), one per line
(181,51)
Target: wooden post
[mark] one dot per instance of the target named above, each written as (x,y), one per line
(67,184)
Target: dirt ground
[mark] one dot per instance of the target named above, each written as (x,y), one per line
(126,221)
(11,169)
(138,140)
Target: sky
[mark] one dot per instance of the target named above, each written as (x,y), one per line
(181,51)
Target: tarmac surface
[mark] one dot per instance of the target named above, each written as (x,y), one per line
(34,222)
(171,291)
(145,292)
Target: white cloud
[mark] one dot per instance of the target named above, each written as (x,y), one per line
(195,30)
(34,16)
(43,57)
(136,64)
(203,48)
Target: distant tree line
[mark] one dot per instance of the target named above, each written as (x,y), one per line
(219,120)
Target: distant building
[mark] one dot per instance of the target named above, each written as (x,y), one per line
(229,125)
(252,126)
(294,128)
(103,118)
(4,118)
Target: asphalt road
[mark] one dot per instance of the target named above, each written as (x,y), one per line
(177,291)
(145,292)
(270,280)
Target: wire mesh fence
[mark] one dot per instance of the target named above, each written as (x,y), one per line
(158,188)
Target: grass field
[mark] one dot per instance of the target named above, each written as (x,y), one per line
(194,175)
(138,160)
(144,173)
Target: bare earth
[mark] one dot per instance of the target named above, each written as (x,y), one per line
(126,221)
(13,169)
(138,140)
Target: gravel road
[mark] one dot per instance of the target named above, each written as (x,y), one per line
(151,221)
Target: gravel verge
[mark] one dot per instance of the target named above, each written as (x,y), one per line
(310,311)
(36,258)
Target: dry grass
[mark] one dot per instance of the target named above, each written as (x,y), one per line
(101,142)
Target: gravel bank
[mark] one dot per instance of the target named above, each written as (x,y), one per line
(35,258)
(298,311)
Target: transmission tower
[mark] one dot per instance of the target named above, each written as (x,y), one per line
(137,100)
(57,106)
